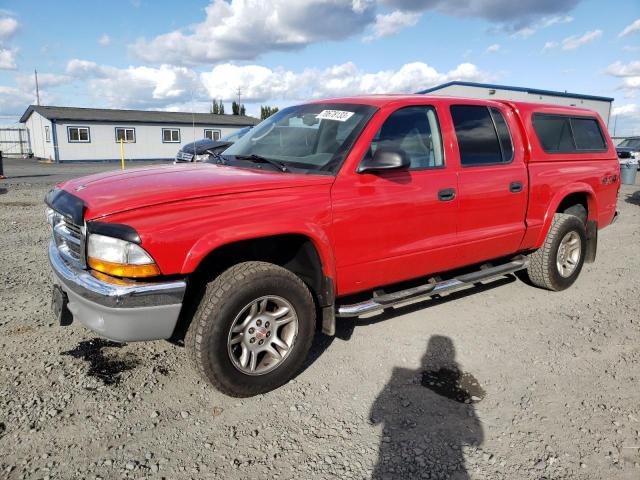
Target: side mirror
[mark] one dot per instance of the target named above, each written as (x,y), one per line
(385,159)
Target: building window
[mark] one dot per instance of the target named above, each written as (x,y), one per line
(47,134)
(171,135)
(212,134)
(128,135)
(78,134)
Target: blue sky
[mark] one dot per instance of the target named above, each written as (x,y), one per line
(162,55)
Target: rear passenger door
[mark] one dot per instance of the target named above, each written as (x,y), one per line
(492,182)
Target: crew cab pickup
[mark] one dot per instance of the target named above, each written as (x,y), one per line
(329,209)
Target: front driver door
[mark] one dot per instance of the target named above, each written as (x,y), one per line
(399,224)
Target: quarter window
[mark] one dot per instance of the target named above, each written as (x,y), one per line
(478,140)
(212,134)
(171,135)
(78,134)
(127,135)
(415,131)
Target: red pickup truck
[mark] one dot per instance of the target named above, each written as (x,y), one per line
(393,198)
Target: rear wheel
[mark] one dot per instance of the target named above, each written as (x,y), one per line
(252,330)
(557,264)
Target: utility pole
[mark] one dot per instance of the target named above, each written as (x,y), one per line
(239,95)
(37,88)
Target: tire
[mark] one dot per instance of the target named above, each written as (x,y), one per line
(246,297)
(543,270)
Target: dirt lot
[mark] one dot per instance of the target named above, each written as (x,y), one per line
(549,381)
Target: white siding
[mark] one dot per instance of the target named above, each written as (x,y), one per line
(148,141)
(602,107)
(36,124)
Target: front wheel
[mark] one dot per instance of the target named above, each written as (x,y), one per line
(557,264)
(252,330)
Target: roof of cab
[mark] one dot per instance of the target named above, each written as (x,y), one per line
(386,99)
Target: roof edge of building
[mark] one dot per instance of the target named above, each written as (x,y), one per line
(46,112)
(515,89)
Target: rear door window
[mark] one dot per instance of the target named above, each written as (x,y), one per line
(477,136)
(503,135)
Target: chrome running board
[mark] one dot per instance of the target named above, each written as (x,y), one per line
(382,301)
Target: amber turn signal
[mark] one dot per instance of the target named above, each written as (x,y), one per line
(125,271)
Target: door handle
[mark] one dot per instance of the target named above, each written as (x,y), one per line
(515,187)
(446,195)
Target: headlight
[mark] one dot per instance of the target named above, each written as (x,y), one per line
(201,158)
(53,217)
(119,258)
(635,155)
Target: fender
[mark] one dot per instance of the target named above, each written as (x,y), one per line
(221,237)
(576,187)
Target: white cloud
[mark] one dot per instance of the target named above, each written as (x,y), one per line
(8,58)
(14,101)
(135,87)
(104,40)
(245,29)
(631,28)
(493,48)
(627,119)
(28,82)
(549,46)
(630,109)
(619,69)
(392,23)
(630,73)
(545,22)
(8,27)
(262,84)
(577,41)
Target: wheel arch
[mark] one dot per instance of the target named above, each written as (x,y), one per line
(307,257)
(571,195)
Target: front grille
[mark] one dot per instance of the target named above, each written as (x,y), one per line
(69,239)
(623,154)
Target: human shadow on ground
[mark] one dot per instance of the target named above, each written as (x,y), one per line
(428,416)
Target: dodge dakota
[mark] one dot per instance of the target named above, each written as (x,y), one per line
(329,209)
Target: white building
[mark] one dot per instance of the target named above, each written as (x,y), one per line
(66,134)
(602,105)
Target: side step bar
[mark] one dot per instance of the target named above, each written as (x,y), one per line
(380,302)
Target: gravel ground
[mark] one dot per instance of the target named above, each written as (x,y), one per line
(507,381)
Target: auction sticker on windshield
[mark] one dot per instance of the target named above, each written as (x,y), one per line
(339,115)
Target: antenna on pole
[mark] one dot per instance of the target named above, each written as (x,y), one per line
(37,88)
(239,95)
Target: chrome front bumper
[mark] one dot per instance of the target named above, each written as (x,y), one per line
(131,312)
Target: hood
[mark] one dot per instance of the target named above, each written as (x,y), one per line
(114,192)
(203,145)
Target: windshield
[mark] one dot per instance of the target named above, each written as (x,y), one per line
(313,137)
(235,136)
(631,143)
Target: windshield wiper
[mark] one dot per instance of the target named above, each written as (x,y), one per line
(220,160)
(260,159)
